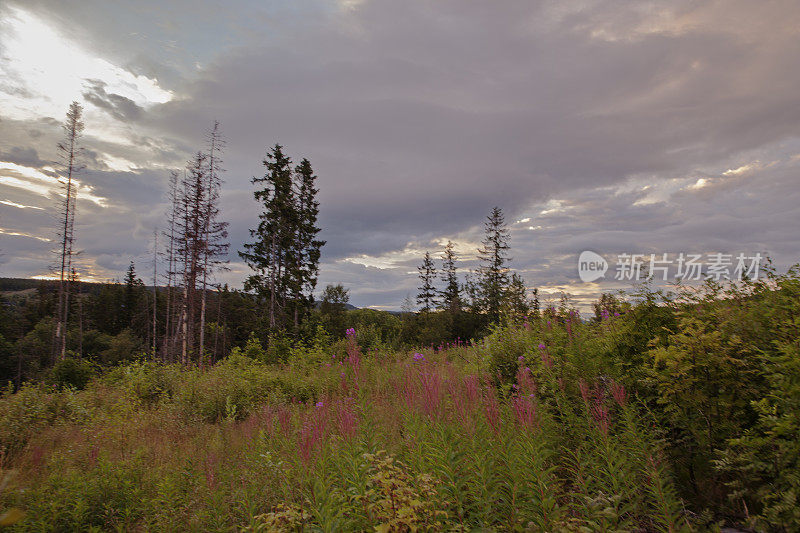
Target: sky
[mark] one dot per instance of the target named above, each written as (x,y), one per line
(614,126)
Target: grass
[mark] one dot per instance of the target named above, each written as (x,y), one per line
(389,442)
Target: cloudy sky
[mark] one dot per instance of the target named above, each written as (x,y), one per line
(638,127)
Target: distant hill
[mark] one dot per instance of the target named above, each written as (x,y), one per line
(27,286)
(24,286)
(349,307)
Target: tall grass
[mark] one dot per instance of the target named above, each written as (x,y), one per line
(389,441)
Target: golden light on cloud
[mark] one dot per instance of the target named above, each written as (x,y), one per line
(740,170)
(553,207)
(88,278)
(388,260)
(20,206)
(27,235)
(37,182)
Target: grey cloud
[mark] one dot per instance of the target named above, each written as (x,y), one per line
(26,156)
(117,106)
(420,116)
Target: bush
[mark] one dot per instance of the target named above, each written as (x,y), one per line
(73,372)
(33,407)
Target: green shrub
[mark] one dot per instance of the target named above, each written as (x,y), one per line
(33,407)
(73,372)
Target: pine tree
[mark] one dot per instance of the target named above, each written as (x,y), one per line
(70,151)
(493,277)
(451,295)
(427,291)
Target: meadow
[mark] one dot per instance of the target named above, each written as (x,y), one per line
(672,413)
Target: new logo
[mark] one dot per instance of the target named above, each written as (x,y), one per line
(591,266)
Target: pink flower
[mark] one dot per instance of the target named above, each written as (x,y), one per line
(492,411)
(584,390)
(525,411)
(619,394)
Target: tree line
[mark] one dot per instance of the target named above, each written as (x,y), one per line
(186,314)
(451,308)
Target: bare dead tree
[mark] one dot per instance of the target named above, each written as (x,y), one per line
(155,293)
(173,217)
(214,232)
(70,152)
(190,248)
(195,249)
(79,295)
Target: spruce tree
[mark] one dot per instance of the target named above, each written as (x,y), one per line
(517,303)
(285,251)
(427,290)
(451,295)
(131,297)
(333,309)
(307,246)
(493,277)
(263,255)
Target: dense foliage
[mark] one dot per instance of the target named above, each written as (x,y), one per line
(667,413)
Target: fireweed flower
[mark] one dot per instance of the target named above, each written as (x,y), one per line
(525,380)
(546,359)
(584,387)
(431,393)
(600,415)
(619,394)
(346,418)
(418,358)
(525,411)
(312,433)
(350,332)
(492,410)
